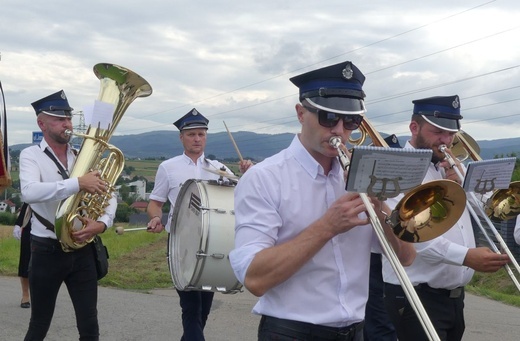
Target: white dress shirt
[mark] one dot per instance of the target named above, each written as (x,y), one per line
(275,201)
(44,188)
(172,174)
(517,230)
(438,261)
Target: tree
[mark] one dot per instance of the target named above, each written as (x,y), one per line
(123,213)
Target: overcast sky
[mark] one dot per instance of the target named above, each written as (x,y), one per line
(232,60)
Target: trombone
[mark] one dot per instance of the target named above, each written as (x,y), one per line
(504,204)
(498,198)
(406,214)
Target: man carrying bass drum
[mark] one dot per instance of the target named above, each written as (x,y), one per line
(170,177)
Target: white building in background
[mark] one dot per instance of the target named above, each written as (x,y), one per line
(137,189)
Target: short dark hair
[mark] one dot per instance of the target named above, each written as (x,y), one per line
(419,119)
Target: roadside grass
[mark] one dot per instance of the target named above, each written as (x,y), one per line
(138,262)
(497,286)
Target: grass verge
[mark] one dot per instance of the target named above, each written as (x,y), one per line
(138,262)
(137,259)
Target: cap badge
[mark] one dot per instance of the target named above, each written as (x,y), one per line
(455,103)
(62,95)
(194,112)
(347,72)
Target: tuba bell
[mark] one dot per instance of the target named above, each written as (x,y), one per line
(119,87)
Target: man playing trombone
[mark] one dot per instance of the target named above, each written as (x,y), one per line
(302,244)
(443,265)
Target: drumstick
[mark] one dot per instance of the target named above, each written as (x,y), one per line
(234,143)
(120,230)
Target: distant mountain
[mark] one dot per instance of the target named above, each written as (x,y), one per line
(165,144)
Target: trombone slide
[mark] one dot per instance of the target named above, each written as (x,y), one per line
(408,288)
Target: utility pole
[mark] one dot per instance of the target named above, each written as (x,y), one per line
(80,129)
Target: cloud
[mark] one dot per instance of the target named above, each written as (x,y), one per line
(233,60)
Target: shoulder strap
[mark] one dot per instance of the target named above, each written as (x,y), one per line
(64,175)
(44,221)
(62,171)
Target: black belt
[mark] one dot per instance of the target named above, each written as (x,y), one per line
(453,293)
(45,241)
(310,330)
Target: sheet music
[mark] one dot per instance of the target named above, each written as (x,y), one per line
(387,170)
(487,175)
(99,113)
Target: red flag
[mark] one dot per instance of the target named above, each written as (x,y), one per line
(5,160)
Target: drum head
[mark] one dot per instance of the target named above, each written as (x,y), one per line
(202,235)
(187,233)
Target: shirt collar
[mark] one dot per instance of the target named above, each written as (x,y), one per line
(44,145)
(188,160)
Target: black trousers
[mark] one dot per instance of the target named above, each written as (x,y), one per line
(195,306)
(378,326)
(25,252)
(49,267)
(445,309)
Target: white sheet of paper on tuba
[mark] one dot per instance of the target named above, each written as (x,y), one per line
(99,113)
(386,172)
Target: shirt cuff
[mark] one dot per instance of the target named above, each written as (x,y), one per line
(456,254)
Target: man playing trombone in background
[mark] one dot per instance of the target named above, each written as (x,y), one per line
(444,265)
(302,244)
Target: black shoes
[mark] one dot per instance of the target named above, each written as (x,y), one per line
(25,304)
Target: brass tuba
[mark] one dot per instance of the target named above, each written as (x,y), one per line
(119,87)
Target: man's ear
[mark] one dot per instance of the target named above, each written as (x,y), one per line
(414,127)
(40,123)
(299,112)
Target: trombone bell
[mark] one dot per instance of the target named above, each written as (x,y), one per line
(428,211)
(463,149)
(504,204)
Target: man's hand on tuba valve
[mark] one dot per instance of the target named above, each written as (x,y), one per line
(92,228)
(92,183)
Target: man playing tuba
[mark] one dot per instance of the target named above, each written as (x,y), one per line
(45,182)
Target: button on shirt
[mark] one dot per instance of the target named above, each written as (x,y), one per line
(44,188)
(173,172)
(275,201)
(438,261)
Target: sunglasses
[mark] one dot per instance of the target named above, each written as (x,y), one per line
(330,119)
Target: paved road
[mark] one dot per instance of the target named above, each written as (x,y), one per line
(156,316)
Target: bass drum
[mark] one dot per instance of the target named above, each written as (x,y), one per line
(202,235)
